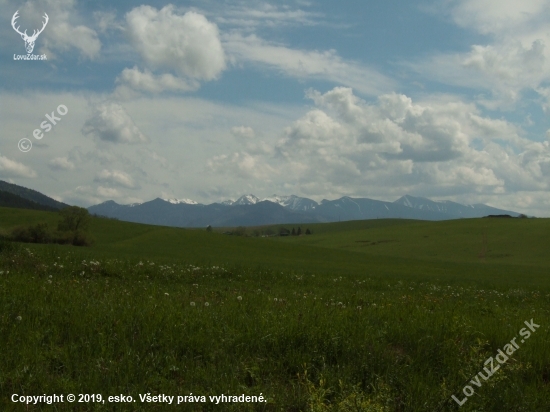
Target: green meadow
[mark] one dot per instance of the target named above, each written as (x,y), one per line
(379,315)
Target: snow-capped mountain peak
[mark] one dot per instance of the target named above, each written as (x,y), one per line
(293,202)
(246,200)
(180,201)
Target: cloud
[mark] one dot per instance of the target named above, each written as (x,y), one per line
(514,60)
(306,64)
(242,165)
(148,82)
(188,44)
(11,168)
(111,123)
(61,163)
(243,131)
(439,146)
(116,178)
(92,195)
(496,16)
(253,145)
(107,21)
(252,15)
(504,69)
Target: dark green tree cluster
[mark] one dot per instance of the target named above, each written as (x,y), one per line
(71,229)
(294,232)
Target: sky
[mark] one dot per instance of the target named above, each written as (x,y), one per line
(210,100)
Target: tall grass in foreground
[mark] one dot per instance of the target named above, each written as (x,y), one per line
(307,342)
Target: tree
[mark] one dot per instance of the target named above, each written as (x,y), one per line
(299,232)
(293,233)
(74,219)
(209,228)
(308,232)
(284,231)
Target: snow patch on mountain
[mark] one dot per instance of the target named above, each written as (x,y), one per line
(181,201)
(293,202)
(246,200)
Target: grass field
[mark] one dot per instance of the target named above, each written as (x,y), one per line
(381,315)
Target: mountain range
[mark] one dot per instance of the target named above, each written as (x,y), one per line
(250,210)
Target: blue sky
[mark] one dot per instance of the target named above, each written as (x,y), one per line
(209,100)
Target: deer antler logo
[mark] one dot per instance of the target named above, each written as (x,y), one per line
(29,40)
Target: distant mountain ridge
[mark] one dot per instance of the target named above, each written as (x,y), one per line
(31,195)
(250,210)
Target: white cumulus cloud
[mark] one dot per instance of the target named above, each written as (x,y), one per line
(11,168)
(243,131)
(116,178)
(439,146)
(61,163)
(187,44)
(149,82)
(111,123)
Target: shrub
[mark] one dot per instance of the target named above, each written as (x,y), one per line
(82,239)
(6,245)
(38,233)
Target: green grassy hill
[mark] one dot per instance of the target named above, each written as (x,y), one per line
(515,241)
(383,316)
(481,250)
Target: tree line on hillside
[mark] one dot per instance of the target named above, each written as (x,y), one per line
(8,199)
(282,231)
(72,228)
